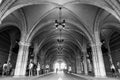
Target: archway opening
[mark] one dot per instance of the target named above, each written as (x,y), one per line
(59,66)
(9,39)
(110,48)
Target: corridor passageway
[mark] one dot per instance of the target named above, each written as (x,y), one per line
(80,37)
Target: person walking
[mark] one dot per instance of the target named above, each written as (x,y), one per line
(118,67)
(30,68)
(38,69)
(4,70)
(113,70)
(9,68)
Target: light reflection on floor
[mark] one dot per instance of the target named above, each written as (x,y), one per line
(59,78)
(60,73)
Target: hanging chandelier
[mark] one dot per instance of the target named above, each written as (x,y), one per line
(60,24)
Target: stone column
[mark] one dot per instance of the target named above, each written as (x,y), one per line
(10,53)
(99,68)
(84,51)
(109,53)
(82,69)
(42,61)
(73,67)
(78,64)
(51,67)
(12,34)
(20,69)
(85,61)
(35,52)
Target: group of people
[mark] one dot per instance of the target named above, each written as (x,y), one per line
(7,69)
(115,69)
(34,69)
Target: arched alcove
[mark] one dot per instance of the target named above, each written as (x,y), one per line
(9,39)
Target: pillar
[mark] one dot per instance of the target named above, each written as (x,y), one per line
(78,64)
(109,53)
(10,53)
(12,34)
(51,67)
(73,67)
(99,68)
(36,48)
(84,51)
(85,61)
(20,69)
(42,61)
(81,63)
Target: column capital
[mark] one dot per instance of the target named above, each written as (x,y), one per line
(24,43)
(96,44)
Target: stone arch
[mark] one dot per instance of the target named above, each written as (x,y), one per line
(110,25)
(47,2)
(9,37)
(107,30)
(114,47)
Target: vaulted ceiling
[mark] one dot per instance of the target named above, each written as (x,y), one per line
(80,21)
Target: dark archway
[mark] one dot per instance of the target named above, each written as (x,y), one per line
(9,38)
